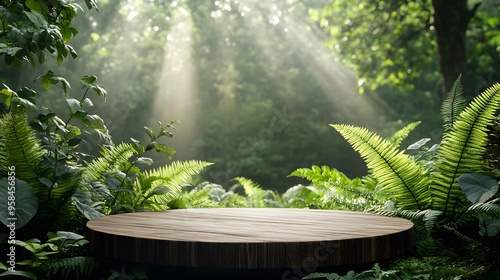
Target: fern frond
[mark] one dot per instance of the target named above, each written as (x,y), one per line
(72,268)
(251,188)
(400,135)
(112,157)
(424,220)
(20,149)
(399,176)
(316,175)
(459,236)
(462,150)
(256,196)
(430,247)
(172,176)
(331,178)
(488,208)
(453,104)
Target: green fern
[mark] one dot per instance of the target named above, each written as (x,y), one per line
(335,190)
(207,195)
(488,208)
(406,181)
(399,176)
(462,150)
(425,221)
(164,183)
(112,158)
(320,175)
(453,104)
(72,268)
(256,196)
(20,149)
(400,135)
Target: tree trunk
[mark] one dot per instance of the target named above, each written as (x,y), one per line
(451,18)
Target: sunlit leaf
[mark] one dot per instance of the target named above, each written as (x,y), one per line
(419,144)
(74,105)
(137,146)
(7,93)
(91,82)
(145,160)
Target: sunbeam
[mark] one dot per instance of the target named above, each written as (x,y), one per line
(176,97)
(337,81)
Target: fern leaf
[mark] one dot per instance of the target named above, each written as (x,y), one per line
(20,149)
(251,188)
(172,176)
(112,157)
(400,135)
(71,268)
(424,220)
(462,150)
(399,176)
(453,104)
(488,208)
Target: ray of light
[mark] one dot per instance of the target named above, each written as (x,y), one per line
(337,80)
(176,97)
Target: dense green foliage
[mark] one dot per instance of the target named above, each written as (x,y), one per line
(398,43)
(263,97)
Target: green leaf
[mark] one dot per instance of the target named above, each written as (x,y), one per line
(7,93)
(62,170)
(145,160)
(50,79)
(160,190)
(489,227)
(69,235)
(74,105)
(42,57)
(46,79)
(94,121)
(46,182)
(19,273)
(28,105)
(37,6)
(25,202)
(164,149)
(86,206)
(91,82)
(87,103)
(67,32)
(74,142)
(417,145)
(137,146)
(80,114)
(149,131)
(478,188)
(37,19)
(91,4)
(11,51)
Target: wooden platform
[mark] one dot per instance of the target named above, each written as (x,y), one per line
(250,238)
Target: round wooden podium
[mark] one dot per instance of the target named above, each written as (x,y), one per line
(250,238)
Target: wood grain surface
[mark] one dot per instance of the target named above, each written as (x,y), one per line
(250,238)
